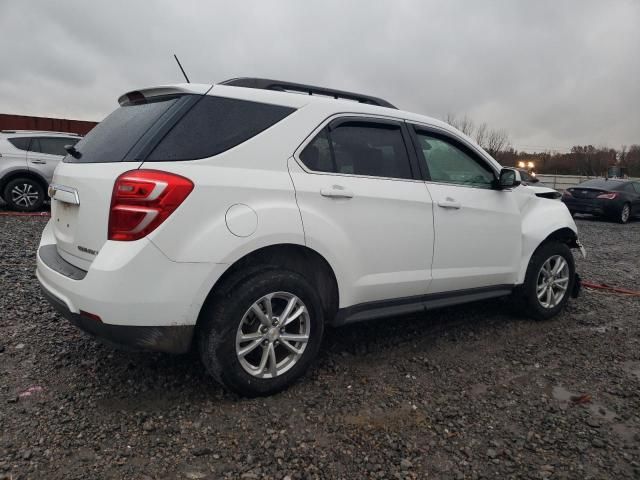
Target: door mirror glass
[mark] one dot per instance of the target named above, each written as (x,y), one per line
(509,178)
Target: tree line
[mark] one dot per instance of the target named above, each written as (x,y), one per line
(580,160)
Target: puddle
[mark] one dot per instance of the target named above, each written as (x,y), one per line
(479,389)
(632,367)
(566,398)
(624,431)
(601,412)
(559,393)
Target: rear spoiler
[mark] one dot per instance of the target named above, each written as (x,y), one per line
(143,95)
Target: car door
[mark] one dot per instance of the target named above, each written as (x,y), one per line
(365,208)
(477,228)
(46,152)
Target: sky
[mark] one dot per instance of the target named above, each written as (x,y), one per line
(552,73)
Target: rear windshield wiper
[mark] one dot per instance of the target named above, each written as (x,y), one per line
(71,150)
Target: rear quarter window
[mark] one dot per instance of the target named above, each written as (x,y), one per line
(214,125)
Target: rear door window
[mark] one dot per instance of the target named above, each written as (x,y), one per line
(359,148)
(21,143)
(34,146)
(55,146)
(214,125)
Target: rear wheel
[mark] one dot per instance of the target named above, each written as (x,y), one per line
(24,195)
(548,282)
(261,334)
(625,213)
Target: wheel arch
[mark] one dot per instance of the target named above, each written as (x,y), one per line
(563,234)
(289,256)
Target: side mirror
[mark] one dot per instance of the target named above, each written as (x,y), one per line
(509,178)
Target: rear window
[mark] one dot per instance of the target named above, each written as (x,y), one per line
(601,184)
(111,139)
(214,125)
(52,146)
(21,143)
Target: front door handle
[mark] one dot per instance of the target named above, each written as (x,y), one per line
(336,191)
(449,203)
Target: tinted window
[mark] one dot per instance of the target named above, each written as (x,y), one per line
(55,146)
(34,146)
(449,163)
(21,143)
(359,148)
(111,139)
(214,125)
(317,155)
(601,184)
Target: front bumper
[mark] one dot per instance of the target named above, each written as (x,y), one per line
(172,339)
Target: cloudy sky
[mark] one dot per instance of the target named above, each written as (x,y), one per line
(553,73)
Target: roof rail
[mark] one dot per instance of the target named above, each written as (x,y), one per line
(266,84)
(40,131)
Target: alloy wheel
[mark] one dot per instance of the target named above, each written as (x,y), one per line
(24,195)
(626,212)
(553,281)
(273,335)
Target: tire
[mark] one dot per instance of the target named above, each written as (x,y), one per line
(625,214)
(24,195)
(527,299)
(231,312)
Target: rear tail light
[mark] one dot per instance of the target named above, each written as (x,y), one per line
(142,200)
(566,194)
(608,196)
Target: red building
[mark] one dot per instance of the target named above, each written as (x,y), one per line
(21,122)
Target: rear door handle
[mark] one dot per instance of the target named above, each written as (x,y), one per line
(336,191)
(449,203)
(39,162)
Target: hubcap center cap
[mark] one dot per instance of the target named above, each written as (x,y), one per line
(273,334)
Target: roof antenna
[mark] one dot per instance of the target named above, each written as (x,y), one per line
(181,69)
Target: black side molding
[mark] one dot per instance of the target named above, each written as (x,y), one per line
(417,304)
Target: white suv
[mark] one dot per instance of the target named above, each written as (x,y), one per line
(27,161)
(242,218)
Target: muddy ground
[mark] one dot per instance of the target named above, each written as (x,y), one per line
(466,392)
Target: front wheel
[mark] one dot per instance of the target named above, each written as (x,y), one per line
(548,282)
(260,334)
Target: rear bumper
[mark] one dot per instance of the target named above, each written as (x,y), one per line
(592,206)
(172,339)
(143,299)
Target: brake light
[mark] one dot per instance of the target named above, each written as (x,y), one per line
(608,196)
(142,200)
(566,194)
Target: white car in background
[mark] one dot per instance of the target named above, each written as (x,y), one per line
(27,161)
(244,217)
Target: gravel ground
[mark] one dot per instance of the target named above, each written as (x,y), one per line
(466,392)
